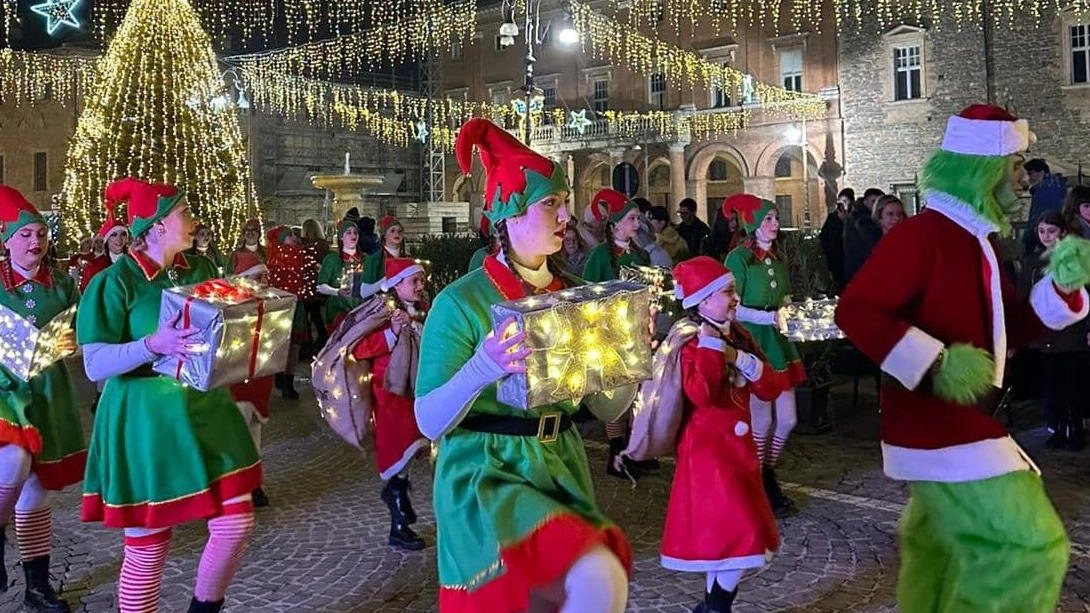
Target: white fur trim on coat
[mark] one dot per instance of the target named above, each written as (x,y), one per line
(969,462)
(707,566)
(1052,308)
(910,358)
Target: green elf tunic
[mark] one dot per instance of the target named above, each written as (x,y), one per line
(374,265)
(477,259)
(41,415)
(218,260)
(161,453)
(763,284)
(602,265)
(513,512)
(331,273)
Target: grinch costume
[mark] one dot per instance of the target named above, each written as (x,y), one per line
(935,309)
(189,458)
(334,270)
(41,438)
(514,500)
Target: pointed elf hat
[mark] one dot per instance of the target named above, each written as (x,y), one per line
(515,176)
(986,130)
(387,222)
(344,225)
(399,269)
(610,204)
(751,210)
(697,278)
(111,226)
(15,212)
(148,202)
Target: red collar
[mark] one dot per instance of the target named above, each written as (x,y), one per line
(151,269)
(355,257)
(510,286)
(757,251)
(43,277)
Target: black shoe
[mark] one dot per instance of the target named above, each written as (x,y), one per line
(278,381)
(40,596)
(201,606)
(620,466)
(1058,440)
(287,389)
(782,506)
(396,496)
(403,537)
(3,564)
(260,498)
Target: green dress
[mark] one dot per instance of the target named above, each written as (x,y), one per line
(161,453)
(603,266)
(374,265)
(331,273)
(41,415)
(217,258)
(513,512)
(763,283)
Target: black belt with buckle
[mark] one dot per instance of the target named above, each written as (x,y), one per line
(546,428)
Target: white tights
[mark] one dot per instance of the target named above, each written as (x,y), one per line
(15,466)
(595,583)
(727,579)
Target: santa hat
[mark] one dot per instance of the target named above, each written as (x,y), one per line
(515,176)
(15,212)
(697,278)
(148,202)
(111,225)
(986,130)
(399,269)
(387,222)
(278,235)
(611,204)
(751,210)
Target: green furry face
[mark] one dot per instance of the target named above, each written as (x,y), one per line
(984,183)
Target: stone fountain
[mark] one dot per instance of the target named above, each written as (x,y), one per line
(347,190)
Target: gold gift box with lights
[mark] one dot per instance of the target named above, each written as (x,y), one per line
(245,331)
(587,339)
(26,350)
(810,320)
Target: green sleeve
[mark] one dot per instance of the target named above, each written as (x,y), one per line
(448,342)
(477,261)
(599,266)
(71,290)
(101,317)
(331,270)
(201,269)
(737,264)
(374,266)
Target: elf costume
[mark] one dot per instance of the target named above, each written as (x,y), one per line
(718,520)
(97,264)
(41,439)
(210,252)
(374,265)
(249,259)
(513,498)
(333,272)
(397,439)
(605,260)
(935,309)
(161,453)
(764,285)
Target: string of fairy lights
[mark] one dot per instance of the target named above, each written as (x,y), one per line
(157,110)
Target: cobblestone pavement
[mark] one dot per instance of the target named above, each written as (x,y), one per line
(321,547)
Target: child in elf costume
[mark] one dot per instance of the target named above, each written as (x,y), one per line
(41,440)
(935,309)
(718,520)
(518,526)
(333,273)
(397,439)
(392,237)
(161,453)
(764,285)
(203,244)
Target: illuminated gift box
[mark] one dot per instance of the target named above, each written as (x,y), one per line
(810,320)
(245,331)
(24,349)
(586,339)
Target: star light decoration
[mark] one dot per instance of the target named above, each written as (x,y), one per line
(578,121)
(537,105)
(810,320)
(421,132)
(58,13)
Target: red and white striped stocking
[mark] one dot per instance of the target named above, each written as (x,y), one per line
(34,532)
(142,572)
(222,557)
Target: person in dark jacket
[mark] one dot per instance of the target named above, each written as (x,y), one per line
(861,233)
(1065,357)
(369,243)
(832,236)
(692,228)
(1047,193)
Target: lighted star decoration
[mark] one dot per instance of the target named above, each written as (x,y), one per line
(58,13)
(420,131)
(537,104)
(578,121)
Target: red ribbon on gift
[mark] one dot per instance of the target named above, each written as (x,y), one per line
(219,289)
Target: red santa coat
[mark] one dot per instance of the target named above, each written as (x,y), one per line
(257,392)
(934,281)
(92,266)
(395,434)
(718,517)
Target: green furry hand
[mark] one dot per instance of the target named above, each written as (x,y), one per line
(964,374)
(1069,263)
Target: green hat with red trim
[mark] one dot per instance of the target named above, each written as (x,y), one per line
(344,225)
(15,212)
(515,175)
(751,210)
(612,205)
(148,202)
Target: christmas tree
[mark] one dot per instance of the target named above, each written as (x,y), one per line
(159,111)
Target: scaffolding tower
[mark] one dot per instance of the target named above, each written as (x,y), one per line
(434,162)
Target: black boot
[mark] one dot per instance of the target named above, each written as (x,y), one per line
(3,564)
(260,498)
(287,389)
(40,596)
(716,601)
(782,506)
(620,466)
(278,381)
(395,494)
(200,606)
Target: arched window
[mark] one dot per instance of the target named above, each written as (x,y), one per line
(717,170)
(783,166)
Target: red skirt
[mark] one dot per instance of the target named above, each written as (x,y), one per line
(396,436)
